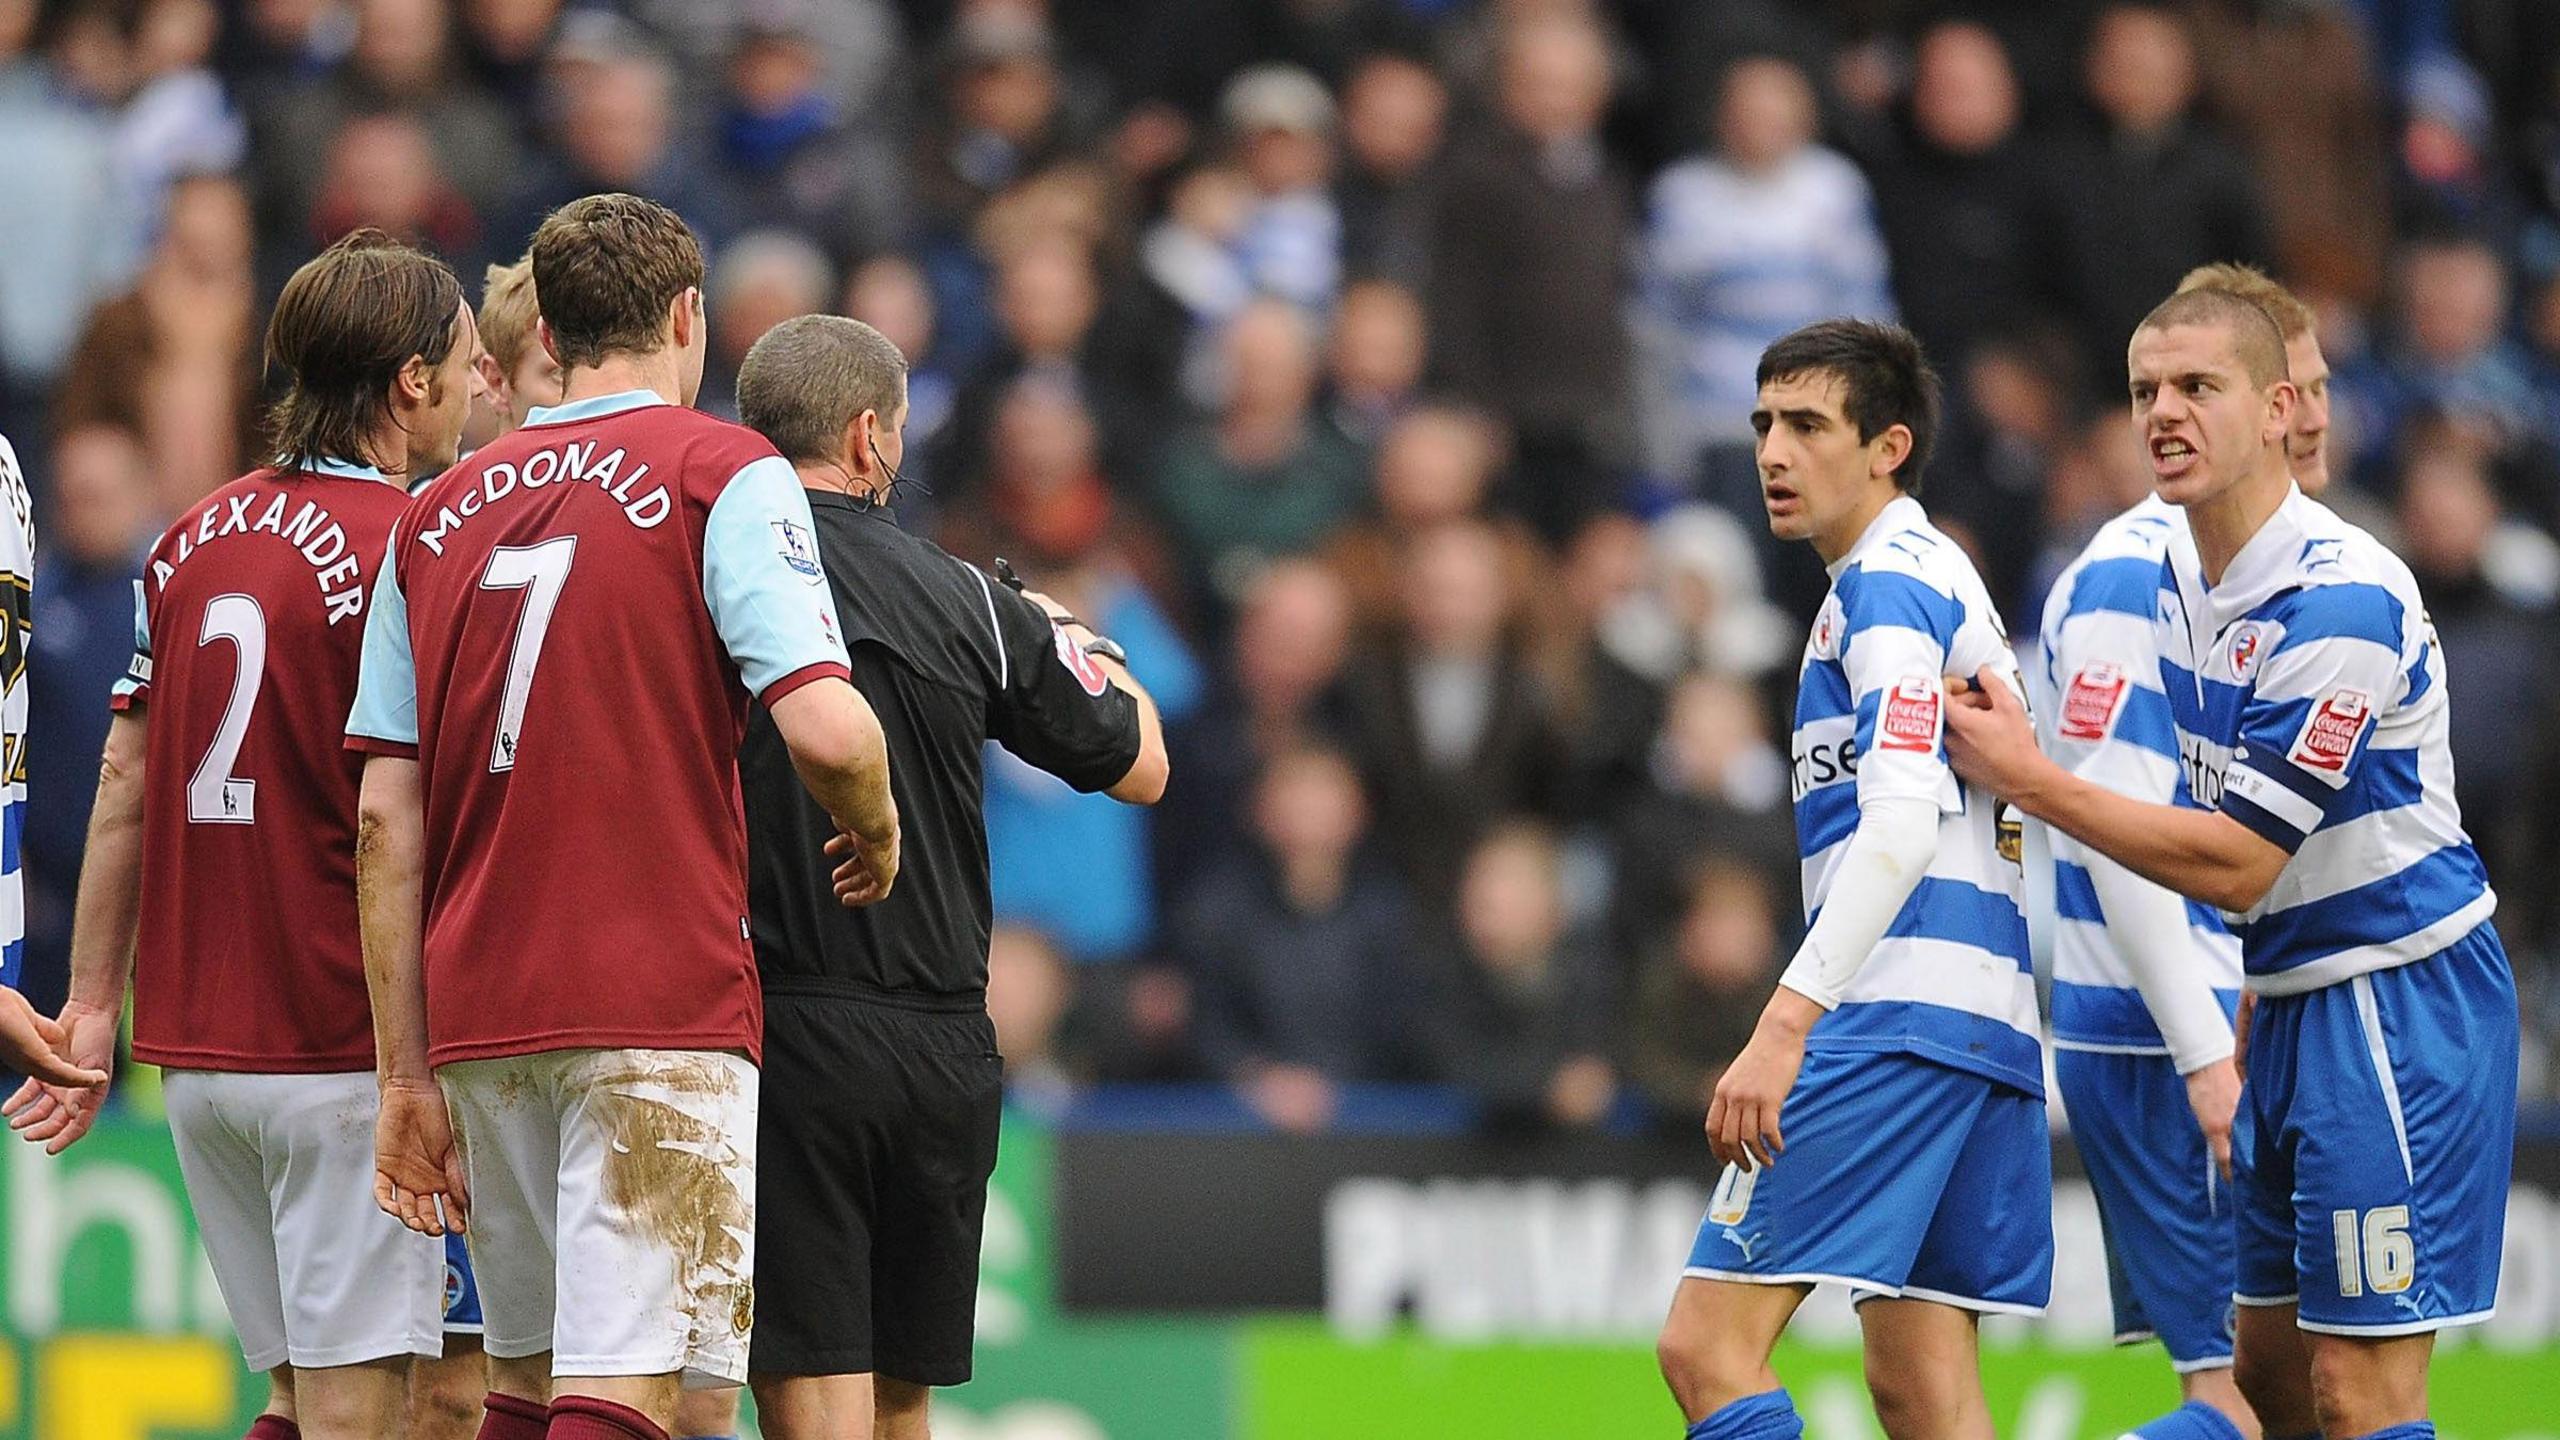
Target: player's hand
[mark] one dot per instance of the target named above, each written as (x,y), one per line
(415,1160)
(865,872)
(2240,1034)
(67,1063)
(2213,1092)
(1989,740)
(1742,1115)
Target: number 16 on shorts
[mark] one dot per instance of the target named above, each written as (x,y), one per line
(2374,1250)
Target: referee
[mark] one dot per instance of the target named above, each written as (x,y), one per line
(882,1086)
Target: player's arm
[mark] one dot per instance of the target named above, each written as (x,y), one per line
(415,1159)
(1897,635)
(768,598)
(70,1060)
(1111,742)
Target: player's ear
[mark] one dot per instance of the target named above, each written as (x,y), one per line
(685,316)
(856,442)
(2282,397)
(415,384)
(542,335)
(1887,451)
(492,379)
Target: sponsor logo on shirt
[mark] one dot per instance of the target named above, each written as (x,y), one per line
(1909,717)
(798,549)
(2089,706)
(2329,736)
(1087,673)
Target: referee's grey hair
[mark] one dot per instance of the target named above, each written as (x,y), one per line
(807,379)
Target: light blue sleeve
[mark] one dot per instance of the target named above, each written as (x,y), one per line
(387,685)
(762,579)
(137,676)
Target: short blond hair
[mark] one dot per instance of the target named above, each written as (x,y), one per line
(508,313)
(2293,318)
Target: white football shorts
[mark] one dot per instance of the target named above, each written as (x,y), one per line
(613,1197)
(280,1171)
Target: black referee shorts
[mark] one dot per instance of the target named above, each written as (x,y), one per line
(875,1141)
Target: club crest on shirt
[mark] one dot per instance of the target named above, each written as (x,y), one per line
(798,549)
(1908,719)
(1082,666)
(2245,646)
(2089,706)
(2329,735)
(1829,629)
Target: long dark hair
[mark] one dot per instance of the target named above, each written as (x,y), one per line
(345,325)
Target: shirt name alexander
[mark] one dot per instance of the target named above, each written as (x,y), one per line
(575,461)
(322,541)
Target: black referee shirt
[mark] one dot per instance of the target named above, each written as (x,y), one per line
(949,659)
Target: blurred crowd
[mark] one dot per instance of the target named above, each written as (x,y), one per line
(1378,372)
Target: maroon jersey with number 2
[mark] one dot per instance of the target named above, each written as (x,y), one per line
(250,625)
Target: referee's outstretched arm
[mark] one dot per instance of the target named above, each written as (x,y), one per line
(1148,774)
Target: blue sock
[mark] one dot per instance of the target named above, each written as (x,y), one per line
(1768,1416)
(2194,1420)
(2413,1430)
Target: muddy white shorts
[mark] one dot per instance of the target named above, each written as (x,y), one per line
(612,1208)
(280,1171)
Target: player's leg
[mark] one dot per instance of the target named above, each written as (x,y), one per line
(1714,1351)
(813,1407)
(656,1237)
(2166,1215)
(277,1422)
(2404,1124)
(900,1410)
(707,1414)
(1924,1368)
(445,1392)
(363,1294)
(506,1124)
(227,1189)
(1851,1200)
(835,1104)
(1988,1249)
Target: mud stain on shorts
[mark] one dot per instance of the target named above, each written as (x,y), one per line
(679,1179)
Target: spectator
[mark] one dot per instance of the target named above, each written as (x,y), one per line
(404,61)
(1768,234)
(1526,1009)
(757,281)
(98,529)
(1075,865)
(1700,991)
(2447,353)
(1290,245)
(1048,303)
(1029,989)
(1280,687)
(1193,261)
(1527,266)
(1696,603)
(1006,118)
(2317,140)
(615,130)
(503,43)
(1453,730)
(55,171)
(176,359)
(2019,402)
(1394,120)
(2146,194)
(2494,624)
(177,120)
(1717,789)
(888,293)
(799,158)
(1955,196)
(1374,359)
(1268,477)
(382,171)
(1302,950)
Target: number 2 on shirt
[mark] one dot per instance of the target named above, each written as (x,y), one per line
(539,571)
(215,796)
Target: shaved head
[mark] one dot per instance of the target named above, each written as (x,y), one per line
(2257,287)
(2254,333)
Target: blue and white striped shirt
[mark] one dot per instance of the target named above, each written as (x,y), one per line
(17,612)
(2104,717)
(1951,980)
(2309,699)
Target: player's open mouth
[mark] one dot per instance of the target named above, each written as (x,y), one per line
(1778,497)
(2171,456)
